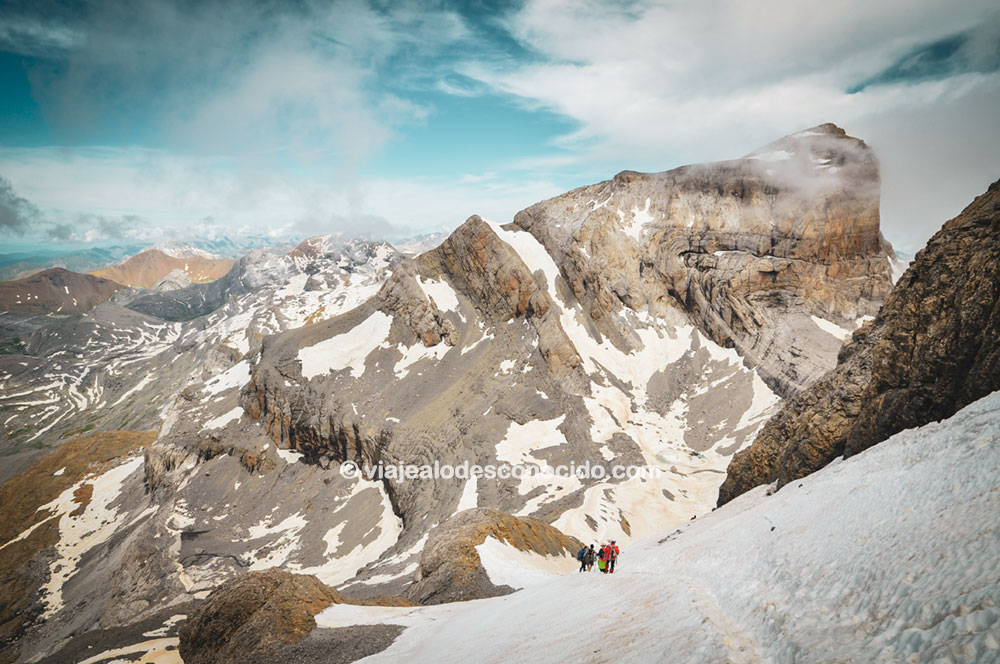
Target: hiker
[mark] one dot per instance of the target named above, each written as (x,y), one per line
(602,559)
(591,557)
(612,556)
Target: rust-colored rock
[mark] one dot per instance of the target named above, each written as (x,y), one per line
(149,267)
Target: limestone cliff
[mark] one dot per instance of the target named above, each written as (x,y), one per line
(751,248)
(933,348)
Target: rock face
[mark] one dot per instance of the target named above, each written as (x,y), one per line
(751,248)
(450,568)
(55,290)
(253,614)
(933,348)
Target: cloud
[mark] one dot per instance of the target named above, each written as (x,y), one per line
(654,85)
(99,194)
(38,29)
(17,215)
(975,50)
(269,82)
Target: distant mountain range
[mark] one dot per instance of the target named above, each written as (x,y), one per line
(20,264)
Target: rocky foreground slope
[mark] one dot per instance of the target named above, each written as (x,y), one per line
(890,555)
(933,348)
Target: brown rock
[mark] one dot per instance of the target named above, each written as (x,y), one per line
(933,348)
(253,614)
(450,569)
(55,290)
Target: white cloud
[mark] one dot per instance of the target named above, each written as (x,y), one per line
(173,195)
(660,85)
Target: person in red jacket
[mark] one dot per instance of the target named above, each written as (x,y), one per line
(611,556)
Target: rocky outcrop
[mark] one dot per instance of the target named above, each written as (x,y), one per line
(751,248)
(254,613)
(401,296)
(258,615)
(450,568)
(933,348)
(55,290)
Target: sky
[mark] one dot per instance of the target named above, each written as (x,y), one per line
(141,120)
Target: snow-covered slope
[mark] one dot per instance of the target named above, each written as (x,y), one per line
(889,556)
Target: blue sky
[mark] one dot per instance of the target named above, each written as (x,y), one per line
(147,121)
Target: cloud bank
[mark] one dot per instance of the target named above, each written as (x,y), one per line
(289,117)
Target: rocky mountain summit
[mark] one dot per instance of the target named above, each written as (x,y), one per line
(933,348)
(753,249)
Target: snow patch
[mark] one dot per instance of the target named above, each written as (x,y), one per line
(506,565)
(776,155)
(224,419)
(346,350)
(831,328)
(440,293)
(470,495)
(235,376)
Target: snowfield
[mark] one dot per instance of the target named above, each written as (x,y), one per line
(889,556)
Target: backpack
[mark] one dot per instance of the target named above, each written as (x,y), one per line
(581,553)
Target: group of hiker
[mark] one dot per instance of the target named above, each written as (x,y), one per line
(604,557)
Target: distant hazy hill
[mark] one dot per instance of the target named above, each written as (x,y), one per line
(55,290)
(150,267)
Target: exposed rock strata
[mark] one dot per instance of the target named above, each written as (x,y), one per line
(749,247)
